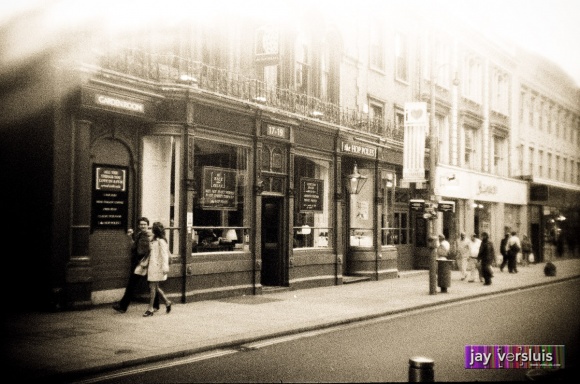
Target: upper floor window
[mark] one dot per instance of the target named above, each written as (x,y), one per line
(377,46)
(549,165)
(376,116)
(472,145)
(473,74)
(558,168)
(541,163)
(500,91)
(301,65)
(499,156)
(401,57)
(531,161)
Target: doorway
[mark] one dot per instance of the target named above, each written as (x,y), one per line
(272,242)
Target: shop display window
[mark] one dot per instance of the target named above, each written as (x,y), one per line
(311,227)
(220,201)
(362,213)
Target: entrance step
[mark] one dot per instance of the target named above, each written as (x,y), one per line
(354,279)
(273,289)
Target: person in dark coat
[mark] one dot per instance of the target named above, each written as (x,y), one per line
(503,251)
(485,257)
(140,248)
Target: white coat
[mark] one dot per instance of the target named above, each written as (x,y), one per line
(158,261)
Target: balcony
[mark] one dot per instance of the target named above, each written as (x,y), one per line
(169,68)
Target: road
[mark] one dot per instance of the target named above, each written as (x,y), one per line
(379,350)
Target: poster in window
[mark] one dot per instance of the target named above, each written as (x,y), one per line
(311,195)
(219,189)
(420,232)
(109,197)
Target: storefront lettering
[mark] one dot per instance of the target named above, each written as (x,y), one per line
(358,149)
(122,104)
(484,189)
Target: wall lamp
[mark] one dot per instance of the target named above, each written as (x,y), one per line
(355,181)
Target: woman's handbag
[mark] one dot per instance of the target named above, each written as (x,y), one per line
(141,268)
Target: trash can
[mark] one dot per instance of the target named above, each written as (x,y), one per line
(444,267)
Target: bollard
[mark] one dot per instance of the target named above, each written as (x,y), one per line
(444,274)
(421,370)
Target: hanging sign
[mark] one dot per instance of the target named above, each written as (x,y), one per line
(219,189)
(109,197)
(414,142)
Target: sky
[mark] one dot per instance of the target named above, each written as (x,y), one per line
(550,28)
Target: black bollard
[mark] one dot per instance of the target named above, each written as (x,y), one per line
(421,370)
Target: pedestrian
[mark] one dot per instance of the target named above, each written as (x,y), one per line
(485,257)
(158,267)
(140,249)
(463,253)
(473,269)
(526,250)
(444,247)
(503,250)
(514,246)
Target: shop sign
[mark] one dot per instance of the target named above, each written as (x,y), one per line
(109,197)
(446,206)
(117,103)
(311,194)
(276,131)
(357,149)
(417,205)
(219,189)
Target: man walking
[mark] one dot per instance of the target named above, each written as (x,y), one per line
(140,249)
(486,256)
(503,250)
(474,244)
(514,246)
(463,254)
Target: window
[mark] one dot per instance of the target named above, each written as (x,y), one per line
(302,67)
(472,144)
(377,44)
(220,202)
(499,155)
(531,161)
(311,207)
(549,165)
(401,57)
(376,116)
(500,86)
(558,168)
(541,163)
(361,208)
(472,86)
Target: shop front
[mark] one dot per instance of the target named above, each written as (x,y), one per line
(483,203)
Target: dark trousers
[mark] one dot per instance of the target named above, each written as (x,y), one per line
(134,283)
(503,262)
(512,262)
(487,272)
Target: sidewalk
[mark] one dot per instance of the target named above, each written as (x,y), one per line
(59,344)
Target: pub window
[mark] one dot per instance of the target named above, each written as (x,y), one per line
(161,184)
(220,201)
(311,226)
(361,208)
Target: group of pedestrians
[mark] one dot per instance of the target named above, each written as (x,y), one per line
(476,256)
(149,260)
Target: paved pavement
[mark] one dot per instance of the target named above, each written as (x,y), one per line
(64,344)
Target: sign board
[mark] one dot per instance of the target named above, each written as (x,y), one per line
(219,189)
(446,206)
(417,205)
(416,113)
(357,149)
(311,194)
(109,197)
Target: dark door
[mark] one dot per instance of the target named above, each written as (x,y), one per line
(272,242)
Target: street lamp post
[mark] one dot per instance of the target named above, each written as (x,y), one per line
(433,141)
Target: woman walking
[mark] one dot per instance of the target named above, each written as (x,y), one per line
(158,267)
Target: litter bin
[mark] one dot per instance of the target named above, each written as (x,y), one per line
(444,267)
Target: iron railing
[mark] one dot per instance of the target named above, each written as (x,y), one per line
(172,68)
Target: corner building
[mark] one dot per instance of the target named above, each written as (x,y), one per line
(271,149)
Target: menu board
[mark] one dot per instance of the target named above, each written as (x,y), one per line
(219,188)
(109,197)
(311,194)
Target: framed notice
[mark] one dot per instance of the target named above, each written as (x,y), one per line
(311,195)
(109,197)
(219,189)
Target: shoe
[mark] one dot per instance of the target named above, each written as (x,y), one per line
(155,309)
(486,283)
(168,308)
(118,308)
(470,281)
(463,278)
(148,313)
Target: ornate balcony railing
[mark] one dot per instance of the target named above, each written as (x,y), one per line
(170,68)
